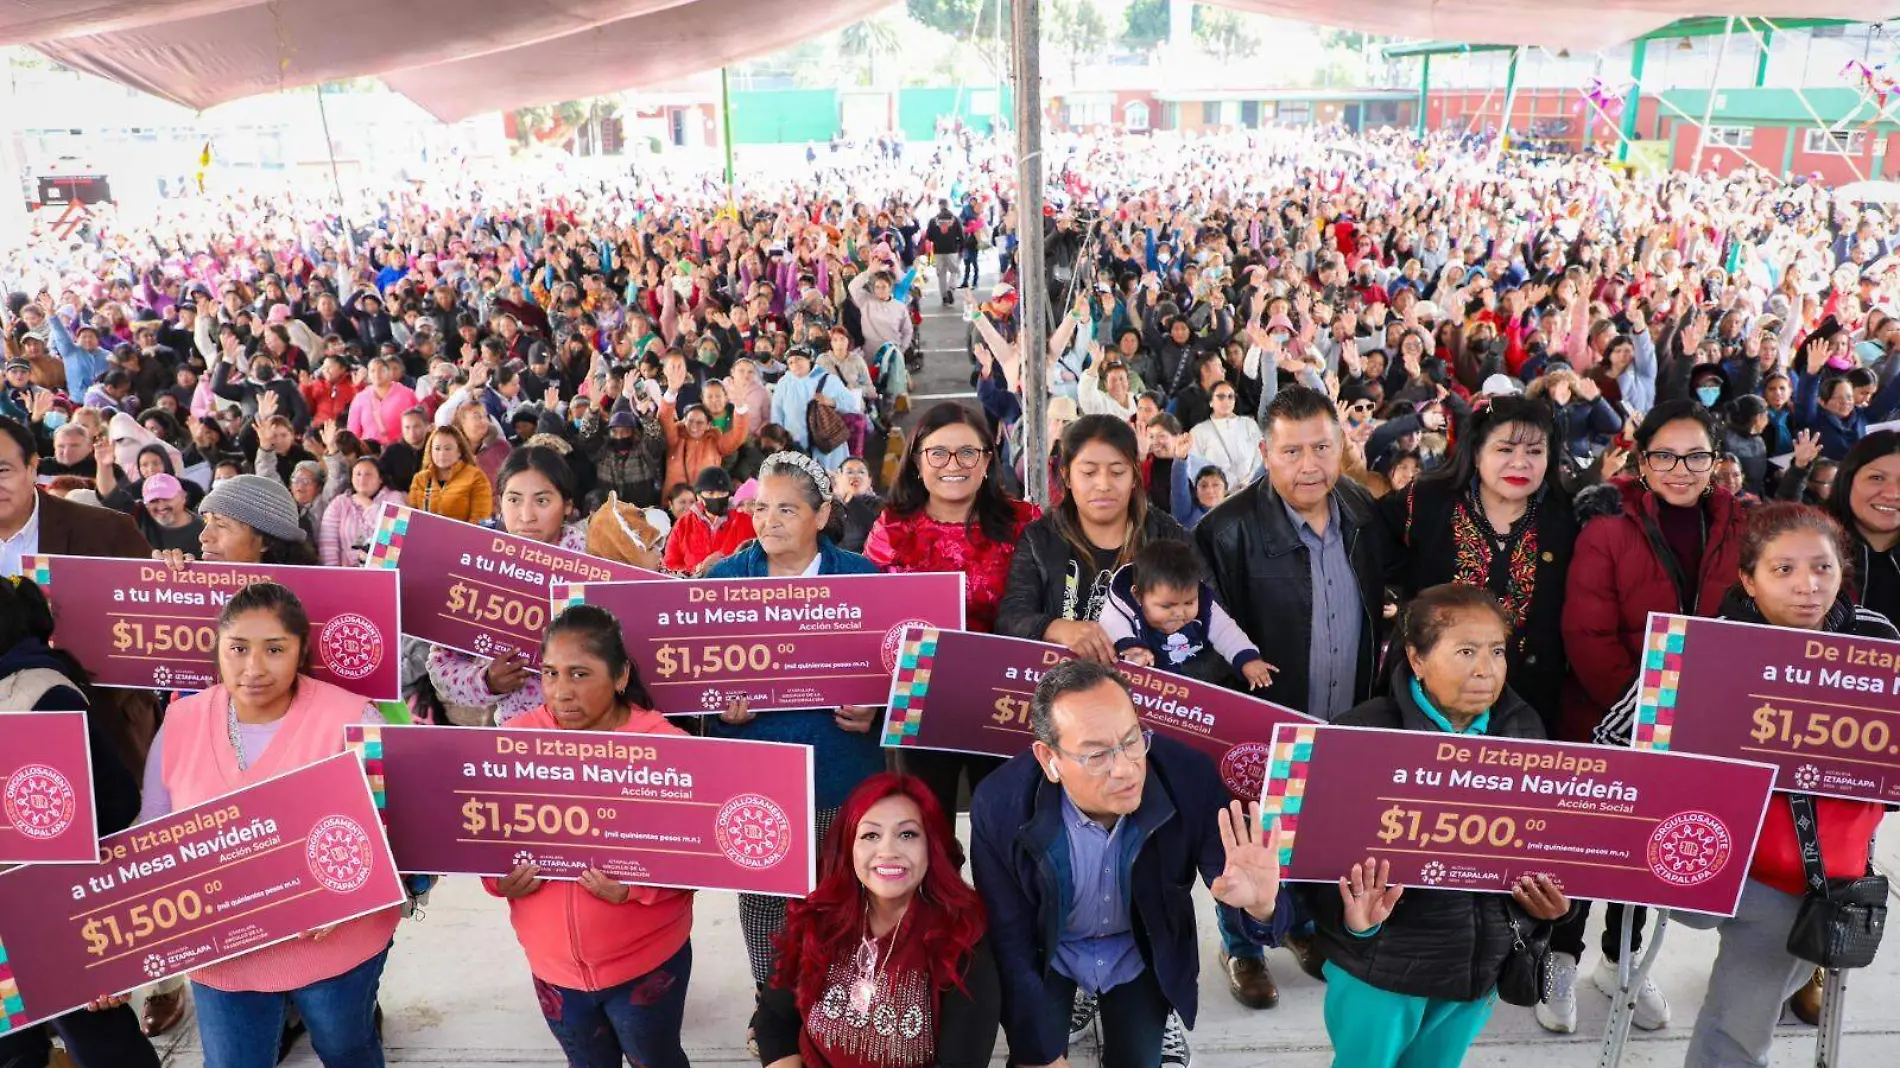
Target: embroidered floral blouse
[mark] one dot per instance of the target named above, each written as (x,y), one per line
(920,543)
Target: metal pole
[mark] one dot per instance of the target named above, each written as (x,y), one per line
(1633,103)
(725,125)
(1761,61)
(1424,94)
(1032,305)
(1827,1048)
(336,181)
(1510,102)
(1715,78)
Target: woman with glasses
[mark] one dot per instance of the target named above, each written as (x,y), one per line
(948,511)
(1229,440)
(1672,547)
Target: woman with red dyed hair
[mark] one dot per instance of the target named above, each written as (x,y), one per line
(885,964)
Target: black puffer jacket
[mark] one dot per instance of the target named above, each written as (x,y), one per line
(1044,569)
(1445,944)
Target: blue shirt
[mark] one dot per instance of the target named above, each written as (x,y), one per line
(1332,652)
(1097,949)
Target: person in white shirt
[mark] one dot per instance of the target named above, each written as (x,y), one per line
(1230,442)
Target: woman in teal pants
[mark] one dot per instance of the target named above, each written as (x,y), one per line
(1411,974)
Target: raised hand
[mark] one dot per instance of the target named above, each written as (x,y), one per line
(1251,880)
(1368,895)
(1807,448)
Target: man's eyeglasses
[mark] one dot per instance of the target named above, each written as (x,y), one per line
(1696,462)
(1098,762)
(967,457)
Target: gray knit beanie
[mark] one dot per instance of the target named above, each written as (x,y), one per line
(261,503)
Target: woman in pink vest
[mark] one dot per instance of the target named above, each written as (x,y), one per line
(264,718)
(610,961)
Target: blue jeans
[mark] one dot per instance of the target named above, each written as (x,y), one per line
(241,1029)
(637,1021)
(1237,945)
(1133,1016)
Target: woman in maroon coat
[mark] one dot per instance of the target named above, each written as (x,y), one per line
(1673,547)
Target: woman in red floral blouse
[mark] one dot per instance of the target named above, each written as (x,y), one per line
(948,512)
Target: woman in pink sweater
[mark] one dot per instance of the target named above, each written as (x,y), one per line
(264,718)
(610,961)
(350,518)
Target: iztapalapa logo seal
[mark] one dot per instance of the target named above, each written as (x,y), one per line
(1244,768)
(1689,849)
(753,832)
(339,854)
(39,802)
(350,645)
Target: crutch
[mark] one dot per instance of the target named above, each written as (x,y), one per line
(1630,977)
(1827,1049)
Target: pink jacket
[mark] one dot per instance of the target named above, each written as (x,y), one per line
(574,939)
(380,419)
(199,765)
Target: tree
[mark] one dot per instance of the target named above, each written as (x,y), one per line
(1077,27)
(1223,33)
(965,20)
(868,41)
(1145,24)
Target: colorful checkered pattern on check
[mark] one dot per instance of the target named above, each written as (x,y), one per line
(12,1009)
(385,546)
(1286,786)
(910,684)
(1662,672)
(568,594)
(366,741)
(39,569)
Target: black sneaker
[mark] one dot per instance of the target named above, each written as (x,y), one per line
(1174,1043)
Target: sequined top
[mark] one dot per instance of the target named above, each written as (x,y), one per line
(896,1030)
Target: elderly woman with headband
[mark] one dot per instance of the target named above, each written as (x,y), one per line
(794,521)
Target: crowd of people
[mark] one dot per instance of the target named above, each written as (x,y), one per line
(1393,432)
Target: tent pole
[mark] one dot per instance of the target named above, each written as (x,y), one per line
(1424,94)
(336,180)
(1708,113)
(1510,102)
(1632,104)
(1032,305)
(725,126)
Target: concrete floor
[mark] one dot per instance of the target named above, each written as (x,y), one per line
(457,993)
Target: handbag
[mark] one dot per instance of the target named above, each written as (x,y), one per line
(1525,978)
(824,425)
(1841,920)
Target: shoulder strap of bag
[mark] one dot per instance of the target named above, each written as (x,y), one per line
(1807,833)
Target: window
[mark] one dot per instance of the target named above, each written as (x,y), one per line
(1210,113)
(1135,116)
(1732,137)
(1296,113)
(1835,142)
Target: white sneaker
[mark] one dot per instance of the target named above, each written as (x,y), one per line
(1081,1016)
(1558,1011)
(1652,1009)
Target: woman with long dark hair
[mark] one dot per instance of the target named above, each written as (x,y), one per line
(1059,579)
(611,962)
(1671,547)
(885,963)
(948,511)
(1495,515)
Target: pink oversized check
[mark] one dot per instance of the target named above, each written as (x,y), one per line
(141,624)
(205,884)
(46,810)
(654,809)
